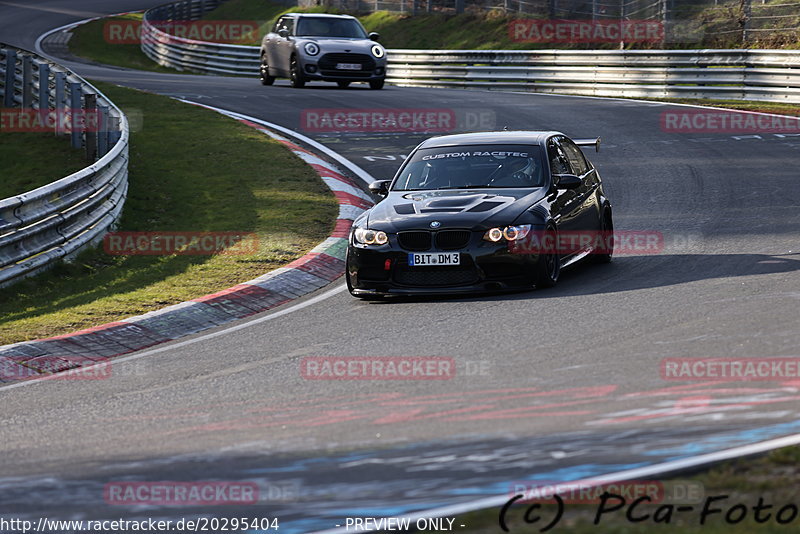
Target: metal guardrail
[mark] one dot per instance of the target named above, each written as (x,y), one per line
(57,220)
(186,54)
(772,75)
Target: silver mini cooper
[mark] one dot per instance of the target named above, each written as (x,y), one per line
(332,48)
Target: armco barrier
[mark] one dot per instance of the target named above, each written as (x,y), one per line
(772,75)
(187,54)
(57,220)
(323,264)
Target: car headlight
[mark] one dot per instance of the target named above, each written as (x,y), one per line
(378,51)
(371,237)
(312,49)
(509,233)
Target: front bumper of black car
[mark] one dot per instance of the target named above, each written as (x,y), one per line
(484,266)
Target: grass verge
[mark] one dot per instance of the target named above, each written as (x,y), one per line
(772,477)
(89,41)
(31,160)
(190,170)
(699,25)
(778,108)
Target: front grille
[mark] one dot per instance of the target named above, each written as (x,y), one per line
(436,276)
(452,239)
(416,241)
(327,64)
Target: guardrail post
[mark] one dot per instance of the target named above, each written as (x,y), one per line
(44,88)
(102,130)
(11,73)
(27,82)
(58,103)
(90,123)
(113,127)
(459,6)
(746,16)
(75,93)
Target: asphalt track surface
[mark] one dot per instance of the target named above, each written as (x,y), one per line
(551,385)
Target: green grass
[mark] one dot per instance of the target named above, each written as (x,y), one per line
(778,108)
(472,30)
(89,41)
(773,476)
(190,170)
(483,30)
(31,160)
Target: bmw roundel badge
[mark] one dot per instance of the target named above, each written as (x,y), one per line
(435,224)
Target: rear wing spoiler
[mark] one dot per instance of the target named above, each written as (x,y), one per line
(589,142)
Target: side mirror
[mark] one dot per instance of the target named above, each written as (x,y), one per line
(566,181)
(380,187)
(374,36)
(283,32)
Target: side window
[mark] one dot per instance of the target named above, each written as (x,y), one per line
(285,23)
(558,161)
(575,157)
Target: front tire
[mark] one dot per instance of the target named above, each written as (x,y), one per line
(266,79)
(548,266)
(376,84)
(296,76)
(607,234)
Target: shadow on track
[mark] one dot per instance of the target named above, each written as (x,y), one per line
(629,273)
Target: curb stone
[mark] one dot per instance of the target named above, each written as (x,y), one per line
(318,268)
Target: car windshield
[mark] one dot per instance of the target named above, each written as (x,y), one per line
(472,166)
(330,27)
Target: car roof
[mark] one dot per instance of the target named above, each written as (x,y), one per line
(524,137)
(320,15)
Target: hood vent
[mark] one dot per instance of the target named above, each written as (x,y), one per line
(485,206)
(404,209)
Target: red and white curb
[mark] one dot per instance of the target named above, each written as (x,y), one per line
(322,265)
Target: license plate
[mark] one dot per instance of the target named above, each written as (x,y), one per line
(348,66)
(420,260)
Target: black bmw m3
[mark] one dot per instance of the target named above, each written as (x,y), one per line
(481,212)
